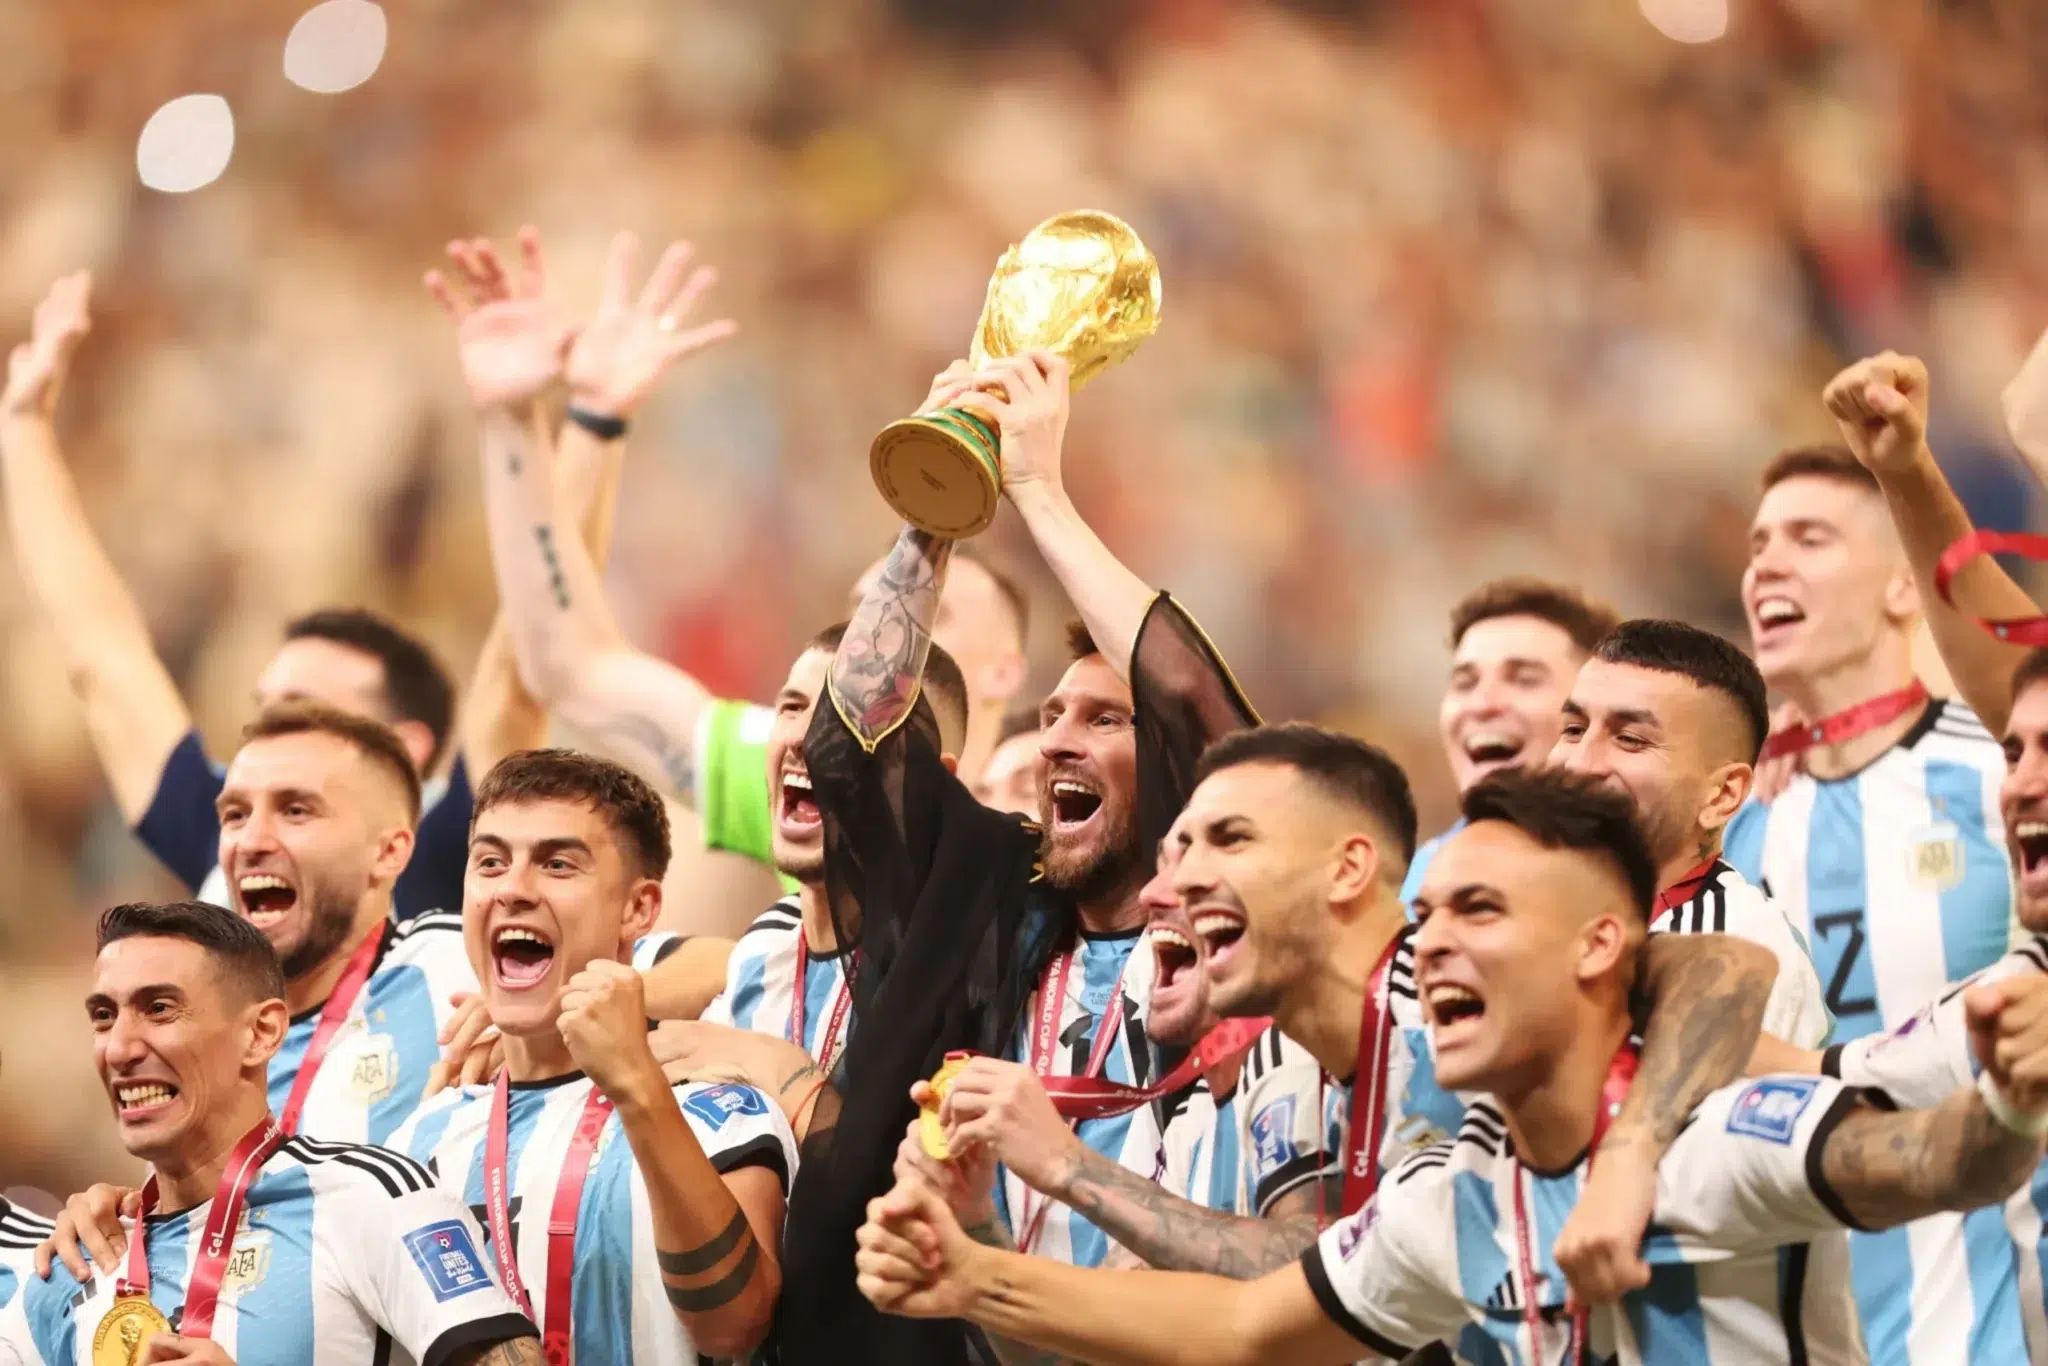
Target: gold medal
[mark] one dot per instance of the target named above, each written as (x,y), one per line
(127,1327)
(929,1130)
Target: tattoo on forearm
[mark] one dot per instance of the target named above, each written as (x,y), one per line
(1179,1235)
(720,1292)
(545,536)
(1893,1167)
(1703,1024)
(657,747)
(700,1259)
(1011,1352)
(876,671)
(517,1352)
(804,1073)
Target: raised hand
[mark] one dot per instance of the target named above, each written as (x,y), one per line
(1881,406)
(949,386)
(1029,397)
(1003,1107)
(604,1023)
(630,342)
(966,1182)
(93,1218)
(2008,1022)
(36,368)
(471,1047)
(513,346)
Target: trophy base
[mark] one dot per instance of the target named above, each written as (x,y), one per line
(941,471)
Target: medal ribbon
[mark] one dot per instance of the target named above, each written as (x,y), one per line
(1683,890)
(597,1109)
(332,1016)
(832,1041)
(1368,1127)
(202,1293)
(1052,1000)
(1079,1098)
(1613,1091)
(1844,726)
(2013,630)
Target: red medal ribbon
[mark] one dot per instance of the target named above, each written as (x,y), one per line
(1683,890)
(1844,726)
(2013,630)
(332,1016)
(202,1292)
(1613,1091)
(1079,1098)
(833,1040)
(1368,1127)
(597,1109)
(1052,1000)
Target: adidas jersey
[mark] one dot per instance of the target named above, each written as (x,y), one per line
(618,1311)
(760,981)
(1745,1245)
(1920,1064)
(347,1255)
(377,1065)
(1898,878)
(1726,903)
(20,1234)
(1200,1149)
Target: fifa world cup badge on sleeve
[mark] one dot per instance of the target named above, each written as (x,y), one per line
(1080,285)
(128,1325)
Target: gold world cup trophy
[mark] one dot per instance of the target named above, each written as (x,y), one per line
(1080,285)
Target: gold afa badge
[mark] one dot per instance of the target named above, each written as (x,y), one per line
(132,1322)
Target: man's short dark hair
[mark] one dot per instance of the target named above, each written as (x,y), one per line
(416,688)
(1826,460)
(238,950)
(1564,810)
(1582,618)
(638,820)
(943,682)
(371,738)
(2032,670)
(1080,640)
(1342,766)
(1007,586)
(1672,647)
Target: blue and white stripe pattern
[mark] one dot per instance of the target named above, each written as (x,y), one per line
(760,981)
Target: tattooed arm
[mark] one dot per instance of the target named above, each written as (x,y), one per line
(1891,1167)
(516,1352)
(1706,995)
(880,663)
(1173,1234)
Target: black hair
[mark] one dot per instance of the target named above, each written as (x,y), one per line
(1672,647)
(245,959)
(1563,810)
(1582,618)
(1343,766)
(416,688)
(621,797)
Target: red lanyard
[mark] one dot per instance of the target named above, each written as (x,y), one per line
(202,1293)
(2013,630)
(1079,1098)
(1052,1000)
(332,1016)
(833,1039)
(1368,1126)
(561,1219)
(1844,726)
(1681,891)
(1613,1091)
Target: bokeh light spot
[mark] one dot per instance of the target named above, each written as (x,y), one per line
(186,144)
(335,46)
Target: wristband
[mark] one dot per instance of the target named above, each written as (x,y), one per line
(597,424)
(2006,1113)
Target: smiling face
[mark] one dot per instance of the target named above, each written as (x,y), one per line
(2023,803)
(1509,936)
(1509,676)
(1089,787)
(174,1043)
(549,890)
(798,833)
(1178,1013)
(1826,581)
(312,832)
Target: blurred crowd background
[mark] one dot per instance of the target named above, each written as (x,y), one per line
(1453,288)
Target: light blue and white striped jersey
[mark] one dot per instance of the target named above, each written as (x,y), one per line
(760,981)
(1202,1144)
(1747,1258)
(377,1066)
(1919,1064)
(1725,902)
(619,1313)
(1898,878)
(20,1233)
(347,1255)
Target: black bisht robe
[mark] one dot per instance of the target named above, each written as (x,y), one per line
(955,927)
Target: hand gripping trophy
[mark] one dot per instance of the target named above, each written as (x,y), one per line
(1081,285)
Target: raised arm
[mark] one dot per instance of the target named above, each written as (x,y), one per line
(880,662)
(1880,404)
(132,708)
(571,654)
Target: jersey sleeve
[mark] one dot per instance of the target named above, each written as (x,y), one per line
(181,827)
(1797,1011)
(740,1127)
(417,1265)
(432,880)
(1746,1174)
(1387,1275)
(1283,1145)
(1183,697)
(1916,1064)
(732,778)
(651,949)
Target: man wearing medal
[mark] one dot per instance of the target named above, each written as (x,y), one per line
(1529,920)
(1887,850)
(251,1242)
(604,1190)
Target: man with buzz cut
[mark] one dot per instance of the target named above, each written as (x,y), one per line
(1530,921)
(252,1246)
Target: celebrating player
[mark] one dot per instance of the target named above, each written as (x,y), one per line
(565,874)
(252,1245)
(1530,920)
(1516,645)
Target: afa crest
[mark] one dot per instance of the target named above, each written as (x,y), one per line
(373,1072)
(1935,857)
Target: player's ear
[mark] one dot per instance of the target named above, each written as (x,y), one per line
(1901,595)
(1355,869)
(394,852)
(1603,943)
(1727,789)
(643,909)
(267,1023)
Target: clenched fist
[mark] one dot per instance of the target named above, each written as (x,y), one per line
(604,1022)
(1881,406)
